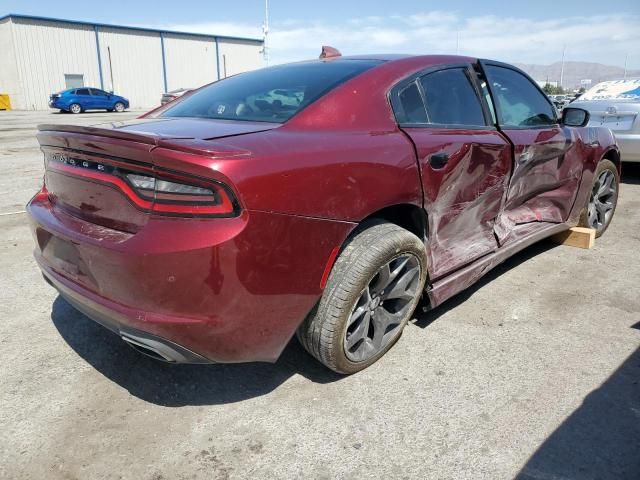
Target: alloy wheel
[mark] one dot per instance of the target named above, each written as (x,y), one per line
(75,108)
(381,309)
(602,200)
(119,107)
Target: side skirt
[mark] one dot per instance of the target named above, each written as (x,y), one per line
(459,280)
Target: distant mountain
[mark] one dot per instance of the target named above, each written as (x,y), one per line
(576,71)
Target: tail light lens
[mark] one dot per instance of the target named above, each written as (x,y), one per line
(161,192)
(172,196)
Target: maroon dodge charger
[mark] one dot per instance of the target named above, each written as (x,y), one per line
(321,199)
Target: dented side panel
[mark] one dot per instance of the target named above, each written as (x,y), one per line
(546,173)
(463,197)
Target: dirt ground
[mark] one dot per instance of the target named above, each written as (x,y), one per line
(533,373)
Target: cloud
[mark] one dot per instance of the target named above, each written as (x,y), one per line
(598,38)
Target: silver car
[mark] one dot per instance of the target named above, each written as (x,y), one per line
(173,94)
(616,104)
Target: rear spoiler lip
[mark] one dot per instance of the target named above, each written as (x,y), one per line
(189,145)
(148,139)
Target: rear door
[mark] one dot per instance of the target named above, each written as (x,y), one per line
(546,165)
(464,162)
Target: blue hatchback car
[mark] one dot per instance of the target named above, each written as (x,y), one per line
(76,100)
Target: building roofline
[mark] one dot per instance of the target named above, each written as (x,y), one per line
(125,27)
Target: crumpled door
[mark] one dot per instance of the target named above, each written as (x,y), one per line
(544,181)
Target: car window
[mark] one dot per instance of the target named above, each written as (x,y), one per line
(519,102)
(99,93)
(82,91)
(271,94)
(412,105)
(451,98)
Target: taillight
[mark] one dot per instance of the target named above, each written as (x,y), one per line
(173,196)
(162,192)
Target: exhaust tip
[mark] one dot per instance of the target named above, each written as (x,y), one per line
(162,350)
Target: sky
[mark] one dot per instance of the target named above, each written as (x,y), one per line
(515,31)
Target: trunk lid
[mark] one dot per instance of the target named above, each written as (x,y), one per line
(150,130)
(619,116)
(85,166)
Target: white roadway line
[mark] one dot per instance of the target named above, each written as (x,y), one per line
(12,213)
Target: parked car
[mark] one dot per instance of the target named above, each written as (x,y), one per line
(173,94)
(574,97)
(558,104)
(616,105)
(321,199)
(77,100)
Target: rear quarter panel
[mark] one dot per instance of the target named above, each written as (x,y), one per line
(325,173)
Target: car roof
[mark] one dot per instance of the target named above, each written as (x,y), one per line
(391,57)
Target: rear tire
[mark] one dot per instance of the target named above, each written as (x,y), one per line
(372,291)
(75,108)
(603,198)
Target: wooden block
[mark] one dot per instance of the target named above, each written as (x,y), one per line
(576,237)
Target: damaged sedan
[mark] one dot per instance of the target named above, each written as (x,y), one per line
(320,199)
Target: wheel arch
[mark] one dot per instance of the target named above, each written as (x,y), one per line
(613,154)
(406,215)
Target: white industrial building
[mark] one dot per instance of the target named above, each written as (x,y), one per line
(40,56)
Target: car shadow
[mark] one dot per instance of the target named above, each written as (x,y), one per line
(424,319)
(601,439)
(179,385)
(631,173)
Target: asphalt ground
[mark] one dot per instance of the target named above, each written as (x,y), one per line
(532,373)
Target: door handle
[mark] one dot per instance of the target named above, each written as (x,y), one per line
(438,160)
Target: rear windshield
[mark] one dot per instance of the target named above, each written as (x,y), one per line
(271,94)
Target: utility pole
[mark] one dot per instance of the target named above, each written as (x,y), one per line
(110,67)
(564,47)
(457,41)
(265,32)
(625,66)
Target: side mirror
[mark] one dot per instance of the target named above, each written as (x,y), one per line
(575,117)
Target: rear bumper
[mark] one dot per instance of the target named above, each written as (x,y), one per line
(216,290)
(57,105)
(151,345)
(629,147)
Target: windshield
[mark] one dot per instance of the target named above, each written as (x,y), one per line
(272,94)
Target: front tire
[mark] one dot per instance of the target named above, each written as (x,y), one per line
(372,291)
(603,199)
(119,107)
(75,108)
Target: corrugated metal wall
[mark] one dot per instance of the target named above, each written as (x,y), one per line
(9,80)
(191,61)
(136,61)
(46,50)
(237,56)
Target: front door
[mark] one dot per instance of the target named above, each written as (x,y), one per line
(100,99)
(464,163)
(546,166)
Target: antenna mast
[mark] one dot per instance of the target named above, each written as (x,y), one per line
(265,32)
